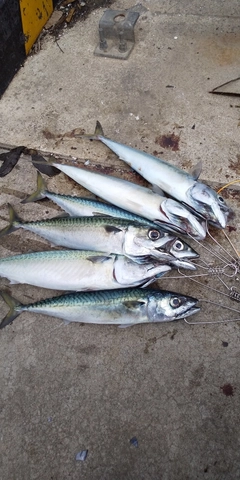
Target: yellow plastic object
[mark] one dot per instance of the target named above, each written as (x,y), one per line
(34,15)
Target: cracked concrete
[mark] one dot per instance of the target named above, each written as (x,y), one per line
(175,387)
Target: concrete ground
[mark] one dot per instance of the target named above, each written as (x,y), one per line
(175,387)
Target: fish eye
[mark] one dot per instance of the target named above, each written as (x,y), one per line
(154,234)
(178,245)
(175,302)
(221,199)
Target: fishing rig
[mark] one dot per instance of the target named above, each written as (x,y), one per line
(218,271)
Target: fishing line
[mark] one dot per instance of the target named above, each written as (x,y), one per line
(212,322)
(235,250)
(214,239)
(206,286)
(227,185)
(212,252)
(215,321)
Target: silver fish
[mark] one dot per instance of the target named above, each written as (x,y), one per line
(109,235)
(78,270)
(138,200)
(123,307)
(80,206)
(172,180)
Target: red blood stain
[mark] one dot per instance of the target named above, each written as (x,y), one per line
(227,389)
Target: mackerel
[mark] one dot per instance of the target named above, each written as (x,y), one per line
(172,180)
(80,206)
(75,270)
(138,200)
(109,235)
(123,307)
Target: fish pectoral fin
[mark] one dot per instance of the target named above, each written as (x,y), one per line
(197,170)
(99,258)
(133,304)
(66,322)
(141,259)
(158,190)
(112,229)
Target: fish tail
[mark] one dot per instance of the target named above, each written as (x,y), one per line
(13,313)
(45,166)
(39,193)
(14,222)
(98,133)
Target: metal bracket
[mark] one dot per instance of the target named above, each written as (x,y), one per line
(116,33)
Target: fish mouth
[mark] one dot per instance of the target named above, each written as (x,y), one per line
(189,312)
(189,308)
(219,218)
(177,262)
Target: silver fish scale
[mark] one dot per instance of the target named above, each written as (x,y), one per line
(51,254)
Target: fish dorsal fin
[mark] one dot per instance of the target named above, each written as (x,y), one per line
(158,190)
(99,258)
(61,215)
(196,171)
(98,129)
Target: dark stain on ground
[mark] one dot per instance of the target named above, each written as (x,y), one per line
(52,136)
(174,332)
(169,141)
(224,344)
(186,164)
(231,229)
(88,350)
(155,152)
(149,343)
(235,165)
(76,11)
(227,389)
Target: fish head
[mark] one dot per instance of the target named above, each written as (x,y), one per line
(165,306)
(180,249)
(128,272)
(146,240)
(183,220)
(209,204)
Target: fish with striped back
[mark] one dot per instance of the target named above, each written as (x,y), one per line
(124,307)
(109,235)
